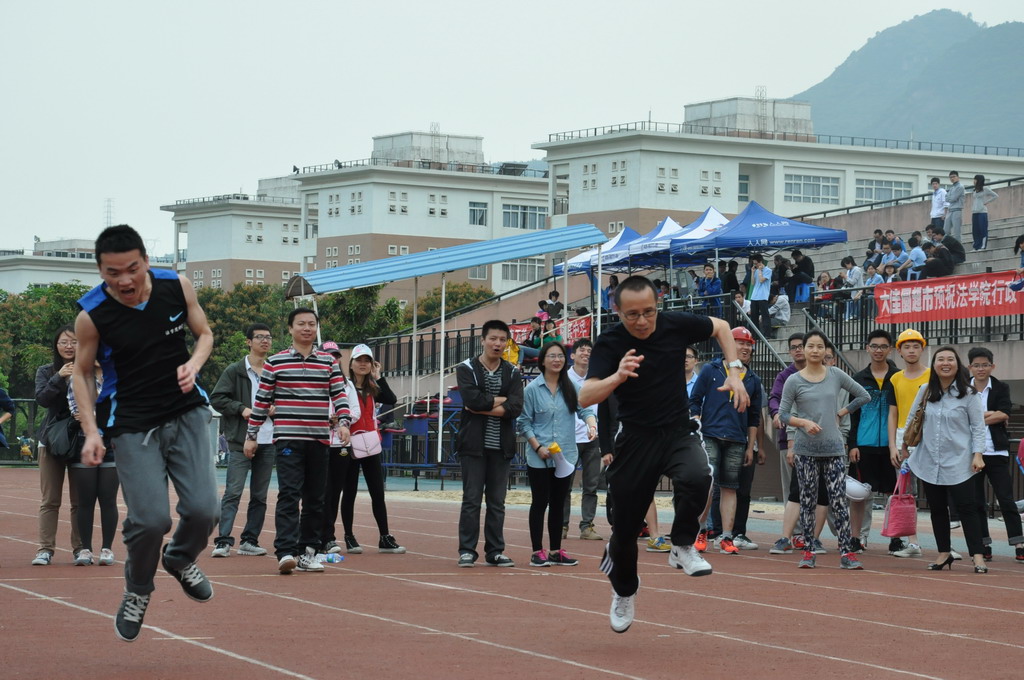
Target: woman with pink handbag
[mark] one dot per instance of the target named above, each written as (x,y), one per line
(950,454)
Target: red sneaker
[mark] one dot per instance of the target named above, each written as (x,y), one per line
(798,542)
(726,546)
(701,544)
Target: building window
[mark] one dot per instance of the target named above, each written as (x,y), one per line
(675,188)
(327,252)
(704,175)
(661,187)
(351,250)
(716,191)
(392,195)
(197,274)
(355,261)
(259,273)
(432,212)
(284,239)
(403,250)
(248,225)
(622,180)
(295,240)
(197,284)
(615,181)
(248,238)
(622,225)
(215,283)
(871,190)
(405,196)
(259,238)
(444,198)
(403,210)
(248,282)
(717,175)
(586,168)
(285,275)
(350,260)
(478,213)
(259,226)
(593,184)
(392,209)
(432,198)
(611,228)
(295,229)
(812,189)
(524,217)
(743,190)
(661,172)
(359,210)
(586,185)
(358,249)
(615,166)
(403,303)
(705,190)
(525,270)
(444,212)
(674,173)
(478,273)
(593,168)
(284,227)
(248,272)
(392,250)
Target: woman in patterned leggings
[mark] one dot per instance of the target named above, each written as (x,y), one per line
(809,405)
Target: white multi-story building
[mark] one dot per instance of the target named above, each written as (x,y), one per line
(416,192)
(731,152)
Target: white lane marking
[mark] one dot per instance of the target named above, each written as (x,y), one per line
(168,635)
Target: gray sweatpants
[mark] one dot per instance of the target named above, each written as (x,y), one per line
(178,450)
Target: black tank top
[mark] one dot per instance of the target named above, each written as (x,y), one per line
(140,351)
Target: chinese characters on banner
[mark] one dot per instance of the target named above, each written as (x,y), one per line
(950,297)
(576,328)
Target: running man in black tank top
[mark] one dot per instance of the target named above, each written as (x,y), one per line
(151,411)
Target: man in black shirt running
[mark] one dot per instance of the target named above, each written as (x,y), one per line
(641,362)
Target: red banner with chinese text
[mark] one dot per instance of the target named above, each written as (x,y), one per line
(949,297)
(575,329)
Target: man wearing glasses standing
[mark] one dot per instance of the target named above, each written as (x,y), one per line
(640,361)
(233,397)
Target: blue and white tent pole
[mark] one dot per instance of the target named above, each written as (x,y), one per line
(440,373)
(599,315)
(415,326)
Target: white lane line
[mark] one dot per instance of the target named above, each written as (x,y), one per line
(520,599)
(167,635)
(469,637)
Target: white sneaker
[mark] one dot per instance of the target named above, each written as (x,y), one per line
(42,559)
(106,557)
(954,525)
(687,558)
(83,558)
(743,543)
(286,564)
(247,548)
(308,561)
(912,550)
(622,611)
(222,549)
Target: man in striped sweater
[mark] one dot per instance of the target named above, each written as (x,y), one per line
(302,383)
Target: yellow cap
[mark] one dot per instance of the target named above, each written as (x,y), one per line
(910,334)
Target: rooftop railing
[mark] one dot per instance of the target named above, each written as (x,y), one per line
(840,140)
(221,198)
(507,169)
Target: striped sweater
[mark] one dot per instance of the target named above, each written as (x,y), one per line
(302,389)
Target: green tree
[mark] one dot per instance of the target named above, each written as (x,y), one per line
(457,295)
(355,315)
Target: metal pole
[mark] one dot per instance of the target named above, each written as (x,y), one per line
(440,376)
(600,313)
(415,320)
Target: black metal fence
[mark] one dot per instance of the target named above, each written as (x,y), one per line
(27,416)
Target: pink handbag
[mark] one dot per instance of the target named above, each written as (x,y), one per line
(900,509)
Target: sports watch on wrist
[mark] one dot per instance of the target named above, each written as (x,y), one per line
(735,363)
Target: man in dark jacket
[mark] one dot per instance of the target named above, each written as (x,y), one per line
(492,398)
(803,272)
(939,262)
(955,248)
(233,399)
(729,435)
(995,396)
(869,434)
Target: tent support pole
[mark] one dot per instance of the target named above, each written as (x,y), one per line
(565,289)
(316,310)
(413,348)
(599,313)
(440,376)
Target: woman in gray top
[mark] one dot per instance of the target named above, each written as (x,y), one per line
(950,454)
(979,212)
(809,404)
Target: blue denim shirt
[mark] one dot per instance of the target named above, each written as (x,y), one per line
(546,417)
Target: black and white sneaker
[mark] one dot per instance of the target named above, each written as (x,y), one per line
(308,562)
(352,545)
(128,621)
(221,549)
(466,560)
(689,560)
(193,581)
(500,560)
(388,544)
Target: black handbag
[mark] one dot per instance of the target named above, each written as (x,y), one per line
(64,439)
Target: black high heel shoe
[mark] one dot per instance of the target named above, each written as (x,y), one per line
(948,562)
(981,569)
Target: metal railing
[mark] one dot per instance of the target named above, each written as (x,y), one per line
(916,198)
(839,140)
(221,198)
(512,170)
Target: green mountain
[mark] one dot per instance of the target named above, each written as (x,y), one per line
(939,77)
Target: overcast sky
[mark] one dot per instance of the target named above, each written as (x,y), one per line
(145,103)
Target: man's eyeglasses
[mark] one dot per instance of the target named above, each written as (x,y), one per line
(981,366)
(878,347)
(793,348)
(260,338)
(690,356)
(633,316)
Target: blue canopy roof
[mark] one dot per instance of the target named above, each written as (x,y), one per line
(449,259)
(587,260)
(757,229)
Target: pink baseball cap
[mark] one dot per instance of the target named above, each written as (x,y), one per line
(332,347)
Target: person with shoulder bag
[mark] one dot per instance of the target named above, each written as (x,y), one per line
(949,454)
(370,388)
(52,382)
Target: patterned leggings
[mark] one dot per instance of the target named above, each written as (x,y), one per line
(808,469)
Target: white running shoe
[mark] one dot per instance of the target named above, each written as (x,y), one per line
(247,548)
(222,549)
(286,564)
(106,557)
(308,561)
(622,612)
(912,550)
(687,558)
(743,543)
(83,558)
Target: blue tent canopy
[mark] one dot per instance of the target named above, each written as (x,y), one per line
(587,260)
(757,229)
